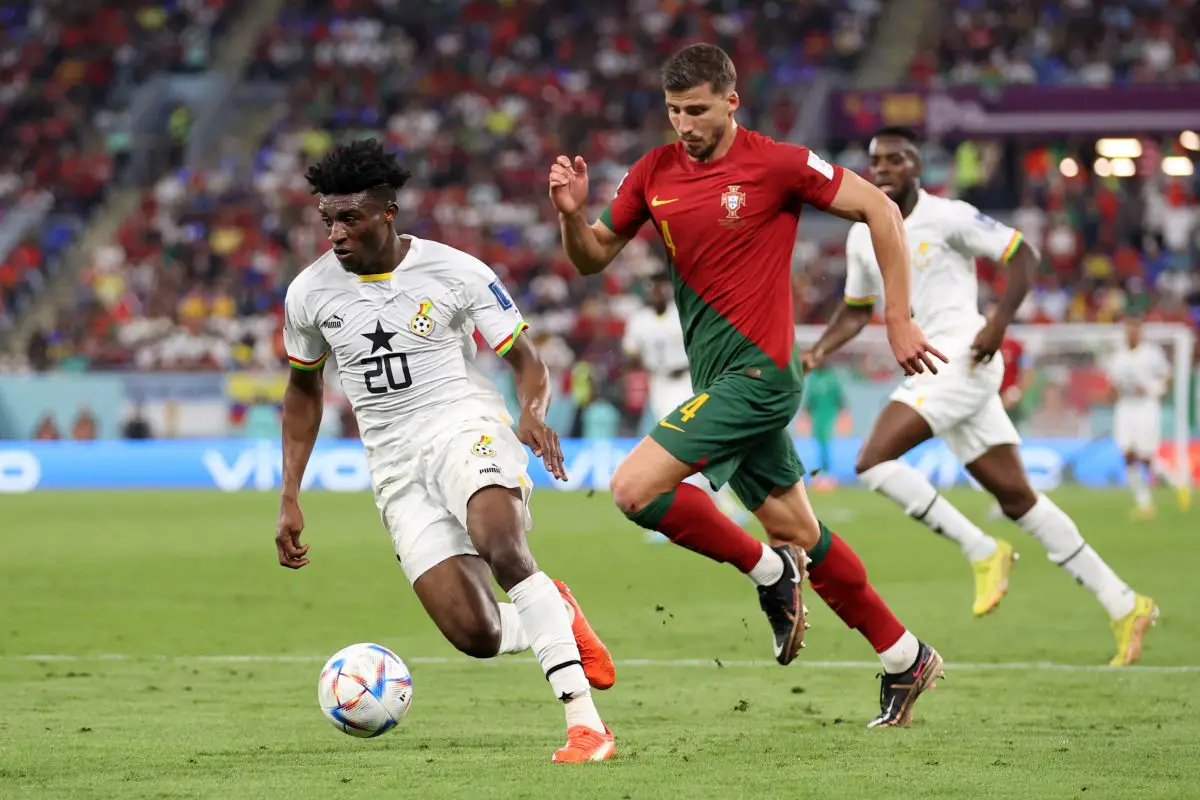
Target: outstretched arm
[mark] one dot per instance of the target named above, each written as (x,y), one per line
(591,247)
(302,405)
(533,391)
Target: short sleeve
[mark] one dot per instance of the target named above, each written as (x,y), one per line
(977,234)
(491,308)
(862,282)
(629,209)
(306,347)
(807,177)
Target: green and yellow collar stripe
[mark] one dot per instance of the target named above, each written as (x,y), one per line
(510,340)
(1013,244)
(378,276)
(307,366)
(860,302)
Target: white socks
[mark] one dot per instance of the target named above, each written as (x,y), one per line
(902,655)
(512,636)
(769,568)
(1056,532)
(1137,485)
(910,489)
(544,620)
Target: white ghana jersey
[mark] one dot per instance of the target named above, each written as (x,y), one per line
(657,339)
(1143,369)
(945,237)
(403,342)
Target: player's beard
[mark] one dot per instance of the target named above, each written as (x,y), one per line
(711,146)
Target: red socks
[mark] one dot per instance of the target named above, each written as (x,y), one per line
(694,522)
(841,581)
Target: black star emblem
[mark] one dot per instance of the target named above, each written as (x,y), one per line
(380,339)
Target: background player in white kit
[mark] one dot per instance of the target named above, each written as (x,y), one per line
(397,313)
(961,404)
(1140,375)
(653,336)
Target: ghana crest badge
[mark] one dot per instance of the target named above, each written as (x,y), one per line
(422,323)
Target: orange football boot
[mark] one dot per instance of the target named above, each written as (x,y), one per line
(584,744)
(598,664)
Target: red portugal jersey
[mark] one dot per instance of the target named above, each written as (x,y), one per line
(1013,353)
(729,227)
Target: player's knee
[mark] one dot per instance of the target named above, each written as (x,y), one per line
(478,637)
(628,495)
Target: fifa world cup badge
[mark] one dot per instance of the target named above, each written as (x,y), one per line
(422,323)
(733,200)
(483,448)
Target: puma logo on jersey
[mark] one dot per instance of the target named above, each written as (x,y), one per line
(492,470)
(655,202)
(333,322)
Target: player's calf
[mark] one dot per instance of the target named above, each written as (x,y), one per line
(457,595)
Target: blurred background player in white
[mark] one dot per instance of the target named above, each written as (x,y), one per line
(398,314)
(654,337)
(962,404)
(1140,376)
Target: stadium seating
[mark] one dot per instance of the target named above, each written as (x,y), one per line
(479,101)
(67,71)
(1091,43)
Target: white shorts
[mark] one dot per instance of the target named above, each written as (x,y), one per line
(1137,430)
(427,514)
(667,394)
(962,404)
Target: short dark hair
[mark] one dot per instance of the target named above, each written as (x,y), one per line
(696,65)
(359,166)
(899,132)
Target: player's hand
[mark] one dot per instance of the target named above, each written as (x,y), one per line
(292,554)
(568,184)
(539,437)
(812,359)
(987,342)
(912,350)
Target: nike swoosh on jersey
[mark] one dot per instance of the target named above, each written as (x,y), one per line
(655,202)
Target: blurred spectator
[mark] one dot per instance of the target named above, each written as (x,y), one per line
(47,429)
(85,427)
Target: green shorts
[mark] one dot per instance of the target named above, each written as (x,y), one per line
(737,431)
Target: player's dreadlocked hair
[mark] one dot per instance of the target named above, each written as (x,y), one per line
(358,166)
(696,65)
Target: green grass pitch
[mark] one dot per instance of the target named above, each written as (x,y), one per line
(150,647)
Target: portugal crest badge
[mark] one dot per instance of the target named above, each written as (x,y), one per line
(733,200)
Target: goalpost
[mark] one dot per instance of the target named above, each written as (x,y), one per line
(1074,353)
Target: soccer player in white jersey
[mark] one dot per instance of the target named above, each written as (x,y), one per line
(397,314)
(1140,375)
(961,404)
(653,336)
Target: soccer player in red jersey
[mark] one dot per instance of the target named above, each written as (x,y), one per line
(726,202)
(1012,384)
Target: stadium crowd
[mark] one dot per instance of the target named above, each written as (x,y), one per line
(479,101)
(67,70)
(1063,42)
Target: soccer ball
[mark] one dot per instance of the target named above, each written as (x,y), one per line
(364,690)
